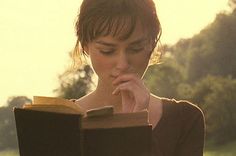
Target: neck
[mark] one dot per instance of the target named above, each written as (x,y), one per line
(103,96)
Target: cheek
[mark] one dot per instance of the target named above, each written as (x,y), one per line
(140,63)
(100,65)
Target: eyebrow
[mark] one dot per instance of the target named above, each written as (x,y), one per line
(105,43)
(138,41)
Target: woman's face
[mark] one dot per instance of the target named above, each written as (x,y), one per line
(111,57)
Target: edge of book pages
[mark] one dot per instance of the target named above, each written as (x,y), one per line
(103,117)
(116,120)
(54,104)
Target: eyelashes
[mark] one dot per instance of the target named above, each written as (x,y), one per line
(106,52)
(129,50)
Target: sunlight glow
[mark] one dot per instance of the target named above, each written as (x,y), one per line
(36,36)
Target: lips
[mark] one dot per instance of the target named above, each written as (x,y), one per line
(114,76)
(115,73)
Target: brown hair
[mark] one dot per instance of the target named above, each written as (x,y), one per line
(117,18)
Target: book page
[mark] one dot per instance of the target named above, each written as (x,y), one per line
(53,102)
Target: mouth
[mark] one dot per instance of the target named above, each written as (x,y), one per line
(113,76)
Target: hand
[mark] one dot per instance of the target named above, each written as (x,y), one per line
(134,94)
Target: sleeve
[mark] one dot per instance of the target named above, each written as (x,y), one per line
(191,141)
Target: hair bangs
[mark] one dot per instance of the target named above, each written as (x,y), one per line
(120,27)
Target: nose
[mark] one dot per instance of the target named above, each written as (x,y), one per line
(122,63)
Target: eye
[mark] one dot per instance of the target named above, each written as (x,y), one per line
(107,52)
(135,49)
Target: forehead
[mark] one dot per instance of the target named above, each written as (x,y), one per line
(138,33)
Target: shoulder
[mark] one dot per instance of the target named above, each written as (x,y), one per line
(182,107)
(178,111)
(187,114)
(182,126)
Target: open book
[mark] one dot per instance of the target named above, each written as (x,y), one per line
(103,117)
(54,104)
(56,126)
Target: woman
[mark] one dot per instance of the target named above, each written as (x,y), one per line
(119,37)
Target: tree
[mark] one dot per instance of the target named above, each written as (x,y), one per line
(74,85)
(163,79)
(212,51)
(180,51)
(7,122)
(215,95)
(217,53)
(201,69)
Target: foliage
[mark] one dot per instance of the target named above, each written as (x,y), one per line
(202,69)
(212,51)
(7,122)
(163,84)
(74,85)
(215,95)
(224,150)
(9,153)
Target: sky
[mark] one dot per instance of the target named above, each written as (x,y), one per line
(37,35)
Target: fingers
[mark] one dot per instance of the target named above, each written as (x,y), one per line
(135,96)
(116,91)
(126,86)
(125,78)
(128,102)
(129,82)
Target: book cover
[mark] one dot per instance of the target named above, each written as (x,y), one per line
(58,133)
(48,134)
